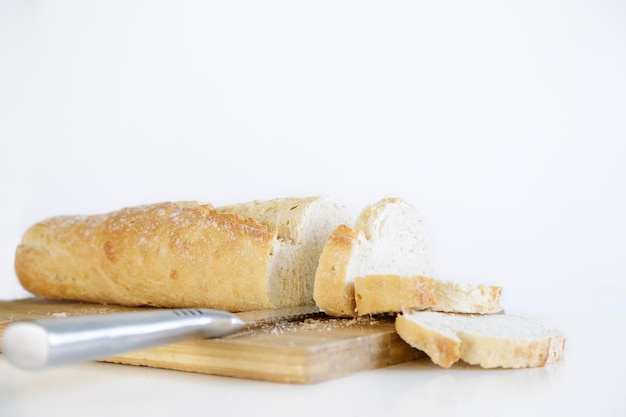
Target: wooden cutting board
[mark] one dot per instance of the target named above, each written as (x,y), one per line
(306,351)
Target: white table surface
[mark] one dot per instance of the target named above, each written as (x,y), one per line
(590,381)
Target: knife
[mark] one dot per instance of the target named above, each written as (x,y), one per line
(44,343)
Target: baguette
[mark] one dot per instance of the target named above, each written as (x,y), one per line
(183,254)
(387,238)
(490,341)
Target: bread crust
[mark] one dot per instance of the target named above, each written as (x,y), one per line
(393,293)
(443,350)
(331,293)
(167,254)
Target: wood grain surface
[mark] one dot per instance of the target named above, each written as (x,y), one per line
(305,351)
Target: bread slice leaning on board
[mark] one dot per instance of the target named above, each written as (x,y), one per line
(490,341)
(184,254)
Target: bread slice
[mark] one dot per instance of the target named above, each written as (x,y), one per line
(491,341)
(183,254)
(387,238)
(395,293)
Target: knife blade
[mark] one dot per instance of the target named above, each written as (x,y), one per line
(44,343)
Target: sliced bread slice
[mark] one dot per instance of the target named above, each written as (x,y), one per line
(491,341)
(395,293)
(387,238)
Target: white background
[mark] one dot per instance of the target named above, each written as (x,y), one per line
(504,124)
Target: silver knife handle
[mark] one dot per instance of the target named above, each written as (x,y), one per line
(43,343)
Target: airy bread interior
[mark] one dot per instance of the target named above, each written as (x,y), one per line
(391,240)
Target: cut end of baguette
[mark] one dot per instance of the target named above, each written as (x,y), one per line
(302,227)
(489,341)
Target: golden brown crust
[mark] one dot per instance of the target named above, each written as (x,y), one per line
(377,293)
(393,293)
(332,293)
(444,351)
(167,255)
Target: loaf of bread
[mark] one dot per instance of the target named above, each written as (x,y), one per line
(490,341)
(387,238)
(184,254)
(394,293)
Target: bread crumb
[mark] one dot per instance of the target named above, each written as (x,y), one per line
(317,325)
(56,315)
